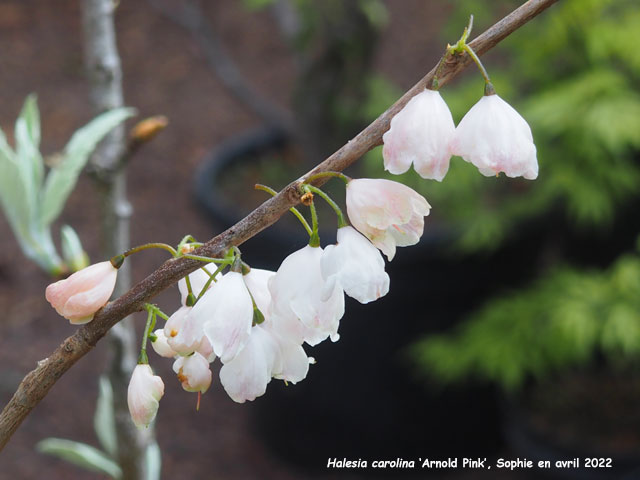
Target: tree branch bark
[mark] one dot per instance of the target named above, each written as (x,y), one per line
(38,382)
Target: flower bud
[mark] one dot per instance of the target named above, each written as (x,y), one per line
(80,296)
(144,394)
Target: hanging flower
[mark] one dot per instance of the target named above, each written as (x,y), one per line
(161,346)
(246,376)
(225,313)
(193,372)
(298,292)
(495,138)
(388,213)
(182,333)
(356,265)
(420,134)
(291,362)
(143,395)
(80,296)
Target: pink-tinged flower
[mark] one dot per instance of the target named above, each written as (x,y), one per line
(193,372)
(160,345)
(144,394)
(291,362)
(246,376)
(298,292)
(206,349)
(226,315)
(420,134)
(80,296)
(388,213)
(495,138)
(356,265)
(182,333)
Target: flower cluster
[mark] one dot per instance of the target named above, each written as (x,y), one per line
(492,136)
(255,321)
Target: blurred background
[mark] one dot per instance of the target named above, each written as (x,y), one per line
(511,330)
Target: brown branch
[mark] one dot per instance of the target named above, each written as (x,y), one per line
(37,383)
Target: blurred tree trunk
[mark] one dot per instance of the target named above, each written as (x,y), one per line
(105,80)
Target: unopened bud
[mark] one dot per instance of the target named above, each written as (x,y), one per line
(258,317)
(191,300)
(148,128)
(117,261)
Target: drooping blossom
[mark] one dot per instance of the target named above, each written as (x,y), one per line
(356,265)
(495,138)
(143,395)
(225,313)
(193,372)
(291,362)
(298,292)
(161,346)
(388,213)
(269,353)
(182,333)
(420,134)
(246,376)
(80,296)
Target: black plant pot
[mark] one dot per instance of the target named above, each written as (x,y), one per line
(362,399)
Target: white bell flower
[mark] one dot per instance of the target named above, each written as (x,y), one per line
(420,134)
(291,362)
(193,372)
(298,291)
(495,138)
(183,334)
(246,376)
(161,346)
(388,213)
(225,313)
(356,265)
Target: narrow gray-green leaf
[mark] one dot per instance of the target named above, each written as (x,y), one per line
(31,115)
(14,195)
(153,461)
(63,177)
(103,420)
(27,148)
(80,454)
